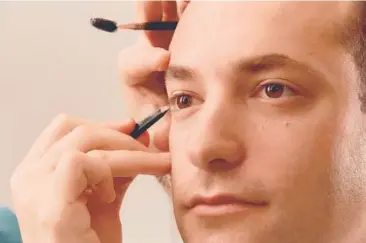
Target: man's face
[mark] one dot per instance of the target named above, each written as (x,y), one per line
(264,123)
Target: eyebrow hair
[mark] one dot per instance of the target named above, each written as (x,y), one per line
(252,65)
(264,63)
(180,73)
(269,62)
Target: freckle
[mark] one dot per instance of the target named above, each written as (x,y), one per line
(286,123)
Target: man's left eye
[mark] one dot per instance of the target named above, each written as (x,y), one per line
(275,91)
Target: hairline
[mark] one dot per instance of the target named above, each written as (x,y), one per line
(351,35)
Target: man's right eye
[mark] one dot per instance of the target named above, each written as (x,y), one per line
(182,100)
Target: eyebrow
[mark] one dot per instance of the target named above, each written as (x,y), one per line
(180,73)
(265,63)
(254,65)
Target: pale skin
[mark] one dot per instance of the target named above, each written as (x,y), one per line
(292,147)
(298,151)
(77,171)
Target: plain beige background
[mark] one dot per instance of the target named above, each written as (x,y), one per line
(52,61)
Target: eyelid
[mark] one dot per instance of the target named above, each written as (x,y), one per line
(181,92)
(284,82)
(174,94)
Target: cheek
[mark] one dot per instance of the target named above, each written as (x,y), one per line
(293,153)
(183,172)
(178,146)
(181,132)
(292,157)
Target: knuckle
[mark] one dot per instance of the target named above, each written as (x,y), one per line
(84,130)
(73,158)
(98,154)
(61,120)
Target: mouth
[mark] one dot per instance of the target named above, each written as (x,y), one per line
(223,204)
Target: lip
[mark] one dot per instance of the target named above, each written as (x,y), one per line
(223,204)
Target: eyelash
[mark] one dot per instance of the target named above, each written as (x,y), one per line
(261,88)
(175,97)
(284,88)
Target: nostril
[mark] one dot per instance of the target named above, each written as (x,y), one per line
(222,154)
(222,164)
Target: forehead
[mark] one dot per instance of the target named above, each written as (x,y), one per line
(225,30)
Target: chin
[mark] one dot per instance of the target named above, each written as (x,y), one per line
(218,236)
(258,227)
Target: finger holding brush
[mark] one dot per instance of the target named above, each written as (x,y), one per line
(165,20)
(149,58)
(71,184)
(151,11)
(142,69)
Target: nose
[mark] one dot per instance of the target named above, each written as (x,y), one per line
(217,144)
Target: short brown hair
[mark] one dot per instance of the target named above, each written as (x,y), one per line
(354,34)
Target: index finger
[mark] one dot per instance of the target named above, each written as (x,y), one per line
(149,11)
(157,11)
(125,163)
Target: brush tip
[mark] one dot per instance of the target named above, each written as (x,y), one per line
(164,109)
(104,24)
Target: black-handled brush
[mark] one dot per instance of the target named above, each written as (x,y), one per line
(112,26)
(145,124)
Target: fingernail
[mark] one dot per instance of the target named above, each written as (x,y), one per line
(111,197)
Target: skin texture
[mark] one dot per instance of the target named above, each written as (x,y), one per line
(301,153)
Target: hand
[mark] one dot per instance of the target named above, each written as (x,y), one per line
(142,67)
(70,186)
